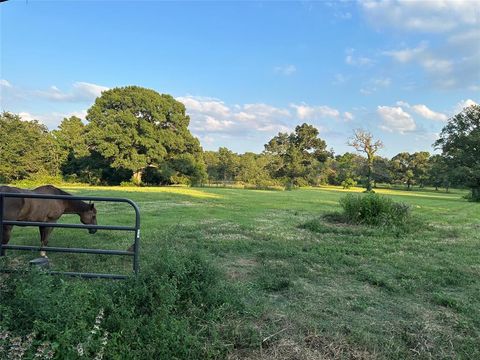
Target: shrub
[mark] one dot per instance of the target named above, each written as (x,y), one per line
(373,209)
(128,184)
(176,308)
(348,183)
(38,180)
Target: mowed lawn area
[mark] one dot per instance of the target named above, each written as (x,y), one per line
(341,291)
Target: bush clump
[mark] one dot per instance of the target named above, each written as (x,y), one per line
(373,209)
(348,183)
(177,308)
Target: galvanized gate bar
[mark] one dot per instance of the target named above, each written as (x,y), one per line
(68,226)
(69,250)
(90,275)
(135,229)
(76,274)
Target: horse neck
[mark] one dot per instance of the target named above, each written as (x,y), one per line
(75,206)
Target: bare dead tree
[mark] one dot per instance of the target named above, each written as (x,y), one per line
(363,141)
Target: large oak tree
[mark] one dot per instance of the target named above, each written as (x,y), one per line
(134,128)
(297,157)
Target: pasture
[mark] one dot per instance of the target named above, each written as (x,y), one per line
(231,273)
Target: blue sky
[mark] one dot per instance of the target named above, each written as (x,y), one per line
(247,70)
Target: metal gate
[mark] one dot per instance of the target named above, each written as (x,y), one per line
(135,229)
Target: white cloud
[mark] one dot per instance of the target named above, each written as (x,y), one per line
(395,119)
(214,118)
(307,112)
(343,15)
(403,104)
(360,61)
(28,117)
(348,116)
(216,125)
(285,69)
(340,79)
(82,91)
(452,61)
(52,119)
(463,104)
(375,84)
(407,54)
(5,83)
(465,38)
(204,105)
(209,115)
(264,110)
(425,16)
(427,113)
(446,73)
(89,90)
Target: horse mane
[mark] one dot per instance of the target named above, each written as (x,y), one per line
(50,189)
(72,205)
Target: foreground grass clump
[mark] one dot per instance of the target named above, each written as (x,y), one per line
(172,310)
(373,209)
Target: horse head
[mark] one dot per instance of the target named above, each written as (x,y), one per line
(89,217)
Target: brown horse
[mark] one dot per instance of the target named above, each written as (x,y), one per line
(43,210)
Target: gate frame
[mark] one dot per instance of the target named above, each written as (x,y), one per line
(135,229)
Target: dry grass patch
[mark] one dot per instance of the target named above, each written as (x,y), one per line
(240,268)
(313,347)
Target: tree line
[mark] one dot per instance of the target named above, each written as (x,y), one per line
(139,136)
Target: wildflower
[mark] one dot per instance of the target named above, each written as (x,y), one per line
(98,321)
(99,317)
(104,342)
(50,355)
(105,338)
(80,349)
(4,335)
(42,351)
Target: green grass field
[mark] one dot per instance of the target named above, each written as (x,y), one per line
(340,292)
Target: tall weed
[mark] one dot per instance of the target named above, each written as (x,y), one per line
(373,209)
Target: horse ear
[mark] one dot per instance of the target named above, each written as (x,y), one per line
(92,206)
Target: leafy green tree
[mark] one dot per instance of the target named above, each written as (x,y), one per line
(74,152)
(212,162)
(460,145)
(402,168)
(188,167)
(26,149)
(133,128)
(420,167)
(276,151)
(252,169)
(439,173)
(297,157)
(70,137)
(381,171)
(348,166)
(363,141)
(227,164)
